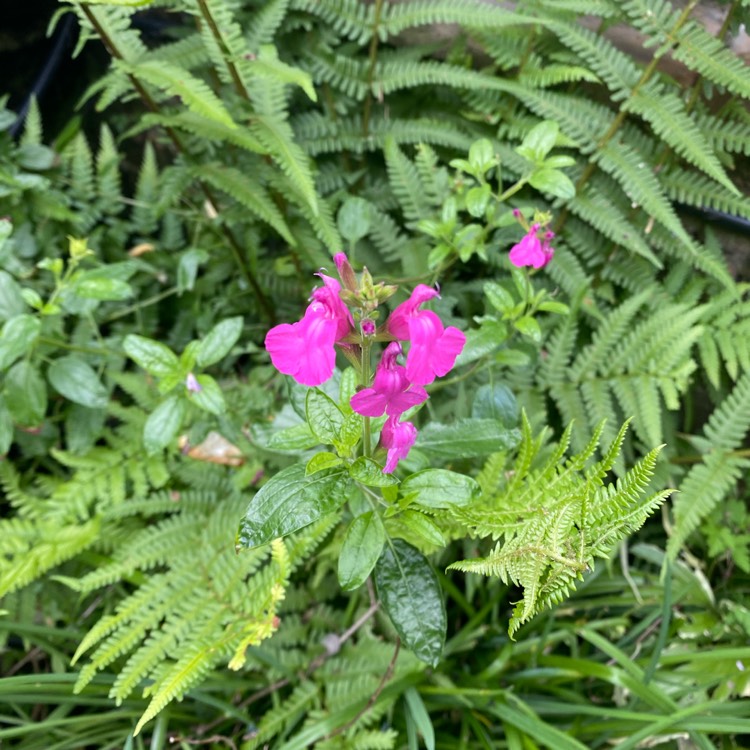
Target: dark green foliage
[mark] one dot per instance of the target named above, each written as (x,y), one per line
(212,194)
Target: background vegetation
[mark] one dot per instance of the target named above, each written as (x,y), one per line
(231,148)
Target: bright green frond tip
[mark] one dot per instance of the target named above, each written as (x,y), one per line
(552,516)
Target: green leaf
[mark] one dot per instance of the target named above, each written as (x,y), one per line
(26,394)
(410,593)
(496,401)
(187,269)
(323,416)
(499,297)
(294,439)
(210,397)
(6,427)
(370,473)
(354,219)
(424,528)
(75,379)
(349,434)
(529,327)
(11,299)
(99,287)
(481,341)
(481,157)
(477,199)
(163,424)
(420,717)
(362,546)
(440,488)
(18,336)
(153,356)
(466,438)
(320,461)
(539,141)
(554,182)
(290,501)
(219,341)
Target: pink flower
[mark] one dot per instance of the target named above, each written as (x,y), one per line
(305,350)
(192,384)
(397,438)
(391,391)
(531,251)
(434,348)
(368,327)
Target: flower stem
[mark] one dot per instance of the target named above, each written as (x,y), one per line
(365,381)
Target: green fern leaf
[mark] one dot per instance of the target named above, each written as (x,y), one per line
(174,81)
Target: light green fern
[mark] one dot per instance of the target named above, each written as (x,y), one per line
(552,520)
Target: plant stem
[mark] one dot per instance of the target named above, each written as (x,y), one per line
(231,67)
(365,381)
(373,58)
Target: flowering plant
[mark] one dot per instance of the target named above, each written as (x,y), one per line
(375,462)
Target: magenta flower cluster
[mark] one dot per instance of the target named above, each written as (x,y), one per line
(534,249)
(306,351)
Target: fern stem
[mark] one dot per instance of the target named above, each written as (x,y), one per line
(231,67)
(373,58)
(619,120)
(148,100)
(698,457)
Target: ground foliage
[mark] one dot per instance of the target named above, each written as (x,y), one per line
(270,135)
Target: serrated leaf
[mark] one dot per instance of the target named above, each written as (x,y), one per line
(440,488)
(153,356)
(219,341)
(75,379)
(323,416)
(411,596)
(320,461)
(163,424)
(370,473)
(360,551)
(290,501)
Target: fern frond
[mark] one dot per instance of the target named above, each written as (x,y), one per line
(708,482)
(175,81)
(467,13)
(247,192)
(554,521)
(666,114)
(406,184)
(277,136)
(707,55)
